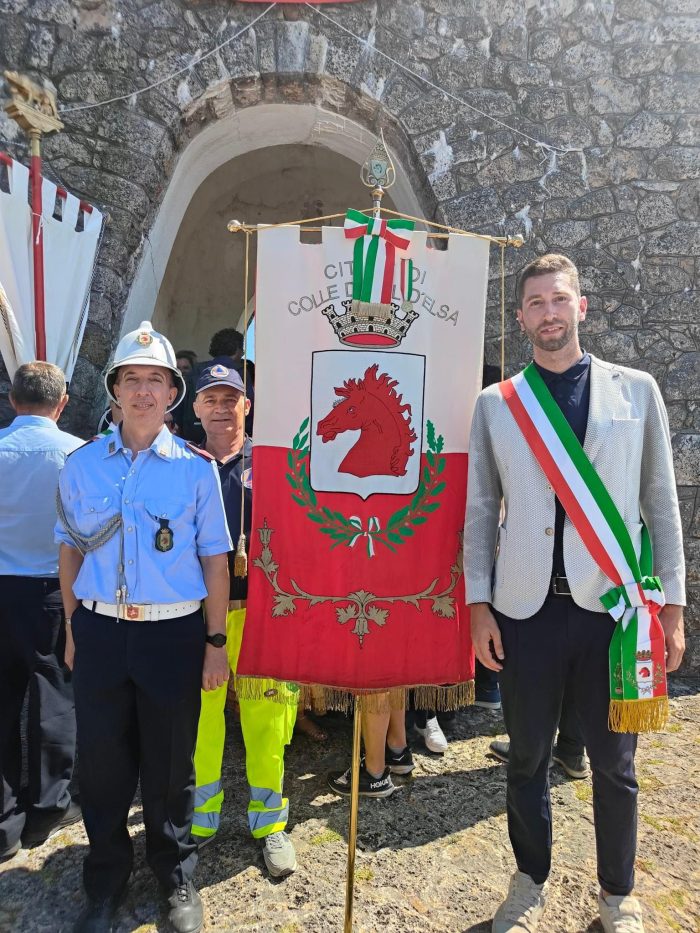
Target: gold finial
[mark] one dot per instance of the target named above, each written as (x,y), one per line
(32,106)
(378,170)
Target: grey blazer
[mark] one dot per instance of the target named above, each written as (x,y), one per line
(627,441)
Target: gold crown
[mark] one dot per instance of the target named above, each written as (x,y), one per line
(365,324)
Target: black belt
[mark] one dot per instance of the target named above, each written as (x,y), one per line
(559,586)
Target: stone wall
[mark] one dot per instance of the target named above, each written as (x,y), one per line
(612,82)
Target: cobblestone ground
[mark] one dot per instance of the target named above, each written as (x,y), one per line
(434,857)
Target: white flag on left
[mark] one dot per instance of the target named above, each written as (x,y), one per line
(69,258)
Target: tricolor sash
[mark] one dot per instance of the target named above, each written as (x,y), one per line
(374,261)
(638,695)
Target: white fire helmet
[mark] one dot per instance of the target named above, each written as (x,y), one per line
(145,347)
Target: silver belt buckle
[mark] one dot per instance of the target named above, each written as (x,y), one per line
(135,613)
(556,582)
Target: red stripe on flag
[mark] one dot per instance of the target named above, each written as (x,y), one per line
(561,488)
(388,280)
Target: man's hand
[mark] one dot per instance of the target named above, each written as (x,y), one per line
(485,634)
(671,619)
(215,670)
(69,651)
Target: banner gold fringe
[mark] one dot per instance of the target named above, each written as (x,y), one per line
(373,309)
(321,698)
(638,715)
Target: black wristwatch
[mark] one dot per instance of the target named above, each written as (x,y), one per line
(218,640)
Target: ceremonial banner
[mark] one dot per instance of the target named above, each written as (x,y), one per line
(69,258)
(368,363)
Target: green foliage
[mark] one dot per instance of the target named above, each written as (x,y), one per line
(400,525)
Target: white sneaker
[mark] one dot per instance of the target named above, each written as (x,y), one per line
(279,854)
(620,914)
(433,736)
(522,909)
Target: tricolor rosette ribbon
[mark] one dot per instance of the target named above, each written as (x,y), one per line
(374,259)
(373,526)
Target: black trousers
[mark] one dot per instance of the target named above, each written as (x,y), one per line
(137,698)
(564,646)
(32,641)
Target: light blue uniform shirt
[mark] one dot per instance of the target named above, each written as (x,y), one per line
(32,453)
(166,481)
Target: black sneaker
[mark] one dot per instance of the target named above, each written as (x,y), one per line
(341,783)
(399,762)
(186,914)
(576,766)
(38,834)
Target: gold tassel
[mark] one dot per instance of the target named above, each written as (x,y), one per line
(637,716)
(240,560)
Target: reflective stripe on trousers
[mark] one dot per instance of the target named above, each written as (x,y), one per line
(267,727)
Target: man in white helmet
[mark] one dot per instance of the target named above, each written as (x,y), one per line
(143,541)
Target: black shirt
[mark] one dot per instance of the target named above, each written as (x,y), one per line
(235,476)
(571,390)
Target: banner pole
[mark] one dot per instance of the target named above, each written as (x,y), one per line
(354,804)
(38,247)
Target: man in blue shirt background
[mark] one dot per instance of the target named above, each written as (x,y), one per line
(32,453)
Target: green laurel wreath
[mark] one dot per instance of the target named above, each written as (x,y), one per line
(340,529)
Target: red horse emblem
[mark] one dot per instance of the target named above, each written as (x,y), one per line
(371,406)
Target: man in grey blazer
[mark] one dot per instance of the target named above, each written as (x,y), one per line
(541,623)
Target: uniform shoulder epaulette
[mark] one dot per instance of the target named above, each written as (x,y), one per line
(90,441)
(204,454)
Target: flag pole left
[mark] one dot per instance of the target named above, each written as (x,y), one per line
(34,108)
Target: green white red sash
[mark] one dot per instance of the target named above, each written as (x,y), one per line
(638,696)
(374,258)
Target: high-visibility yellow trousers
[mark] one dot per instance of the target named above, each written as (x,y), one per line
(267,727)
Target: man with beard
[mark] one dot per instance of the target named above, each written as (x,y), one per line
(577,452)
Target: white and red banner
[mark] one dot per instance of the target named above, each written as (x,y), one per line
(68,250)
(360,463)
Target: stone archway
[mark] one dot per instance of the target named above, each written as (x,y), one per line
(219,173)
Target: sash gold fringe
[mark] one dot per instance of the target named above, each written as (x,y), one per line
(322,698)
(373,309)
(638,715)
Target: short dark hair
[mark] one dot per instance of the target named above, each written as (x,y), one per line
(546,265)
(187,355)
(226,342)
(39,385)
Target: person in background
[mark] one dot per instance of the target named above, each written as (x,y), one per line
(186,362)
(266,724)
(32,636)
(226,345)
(386,752)
(111,417)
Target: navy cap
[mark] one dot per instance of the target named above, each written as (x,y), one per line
(219,372)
